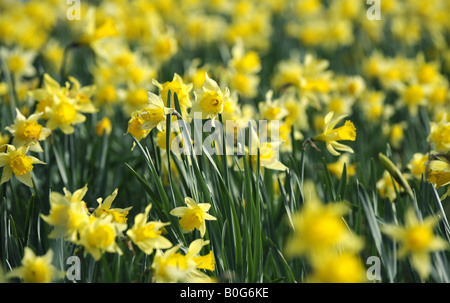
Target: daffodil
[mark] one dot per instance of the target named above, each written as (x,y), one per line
(44,96)
(336,168)
(203,262)
(338,268)
(147,234)
(35,269)
(16,161)
(440,135)
(206,262)
(99,236)
(209,101)
(94,32)
(154,114)
(82,95)
(63,114)
(269,155)
(171,266)
(27,130)
(135,127)
(19,61)
(103,126)
(119,215)
(417,165)
(272,109)
(193,216)
(68,214)
(176,86)
(332,135)
(417,240)
(439,171)
(320,228)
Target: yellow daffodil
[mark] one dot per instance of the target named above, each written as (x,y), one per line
(417,240)
(19,61)
(332,135)
(206,262)
(99,236)
(154,114)
(176,86)
(171,266)
(135,127)
(193,216)
(103,126)
(418,165)
(63,114)
(44,96)
(440,135)
(68,214)
(269,154)
(336,168)
(320,228)
(16,161)
(94,32)
(203,262)
(147,234)
(439,172)
(272,109)
(35,269)
(26,130)
(82,95)
(209,101)
(119,215)
(338,268)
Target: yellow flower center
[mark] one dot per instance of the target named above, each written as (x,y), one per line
(249,62)
(438,95)
(164,46)
(177,260)
(65,113)
(102,236)
(21,165)
(342,269)
(419,237)
(413,94)
(107,94)
(16,64)
(147,232)
(346,132)
(211,103)
(37,272)
(192,219)
(138,97)
(325,230)
(118,217)
(272,112)
(426,74)
(29,130)
(124,59)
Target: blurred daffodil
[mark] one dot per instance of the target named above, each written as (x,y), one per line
(417,240)
(35,269)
